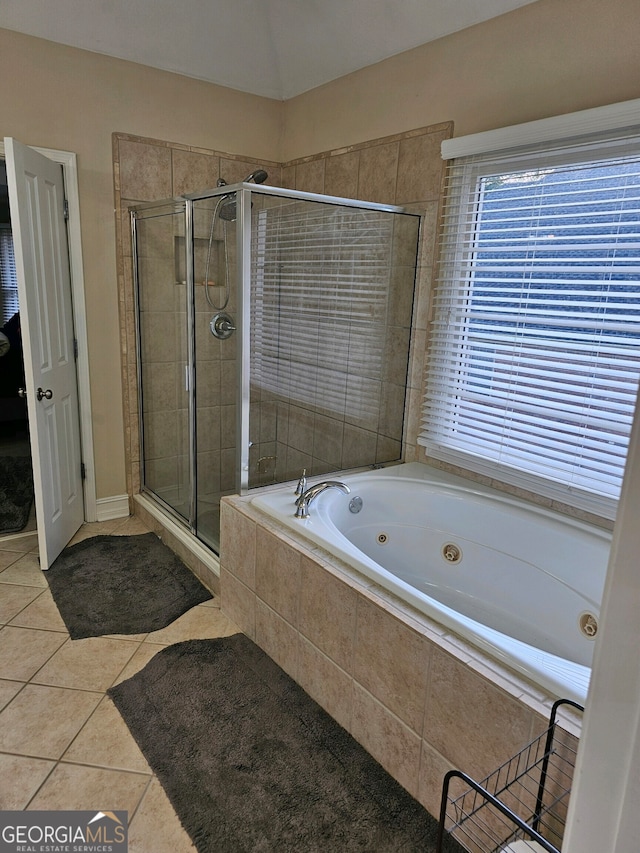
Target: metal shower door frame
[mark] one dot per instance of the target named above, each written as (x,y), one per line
(242,193)
(166,207)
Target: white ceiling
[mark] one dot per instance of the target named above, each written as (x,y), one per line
(275,48)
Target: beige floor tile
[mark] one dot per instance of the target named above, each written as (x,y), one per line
(20,778)
(14,598)
(25,570)
(140,659)
(42,721)
(20,544)
(156,827)
(8,557)
(62,714)
(41,613)
(24,650)
(131,526)
(74,786)
(8,690)
(199,623)
(90,664)
(95,528)
(105,741)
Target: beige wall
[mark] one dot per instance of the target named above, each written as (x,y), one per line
(546,58)
(59,97)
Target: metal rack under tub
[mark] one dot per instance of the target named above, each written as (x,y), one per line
(521,806)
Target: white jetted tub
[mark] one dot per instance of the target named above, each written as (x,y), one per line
(520,582)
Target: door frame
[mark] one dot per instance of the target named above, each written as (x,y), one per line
(68,161)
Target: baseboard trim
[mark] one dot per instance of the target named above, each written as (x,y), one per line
(113,507)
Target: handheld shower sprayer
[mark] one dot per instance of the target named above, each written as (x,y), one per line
(226,210)
(259,176)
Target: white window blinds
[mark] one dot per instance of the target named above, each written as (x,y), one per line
(8,278)
(535,339)
(320,284)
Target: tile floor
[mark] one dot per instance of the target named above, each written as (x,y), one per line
(63,745)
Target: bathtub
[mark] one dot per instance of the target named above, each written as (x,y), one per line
(521,583)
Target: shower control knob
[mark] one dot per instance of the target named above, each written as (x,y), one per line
(222,326)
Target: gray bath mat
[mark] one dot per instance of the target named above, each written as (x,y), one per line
(122,585)
(251,763)
(16,492)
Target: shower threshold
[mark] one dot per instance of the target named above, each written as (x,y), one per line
(202,561)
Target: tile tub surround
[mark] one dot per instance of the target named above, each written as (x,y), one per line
(419,699)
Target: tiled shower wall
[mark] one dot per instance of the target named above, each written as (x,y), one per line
(404,169)
(151,170)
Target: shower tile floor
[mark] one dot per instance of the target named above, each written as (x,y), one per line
(63,744)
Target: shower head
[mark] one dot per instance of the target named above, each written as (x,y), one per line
(228,211)
(258,177)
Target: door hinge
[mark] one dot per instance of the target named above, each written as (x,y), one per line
(83,471)
(75,348)
(66,209)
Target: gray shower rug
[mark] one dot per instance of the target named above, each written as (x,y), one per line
(252,764)
(122,585)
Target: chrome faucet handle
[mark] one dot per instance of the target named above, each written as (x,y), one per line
(301,488)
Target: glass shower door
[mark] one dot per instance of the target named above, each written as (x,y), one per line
(163,386)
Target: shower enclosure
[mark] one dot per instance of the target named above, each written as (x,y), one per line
(273,331)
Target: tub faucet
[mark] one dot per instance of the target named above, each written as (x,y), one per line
(306,498)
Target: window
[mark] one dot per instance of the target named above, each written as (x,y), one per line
(535,337)
(321,280)
(8,279)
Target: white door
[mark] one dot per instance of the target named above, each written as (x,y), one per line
(36,202)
